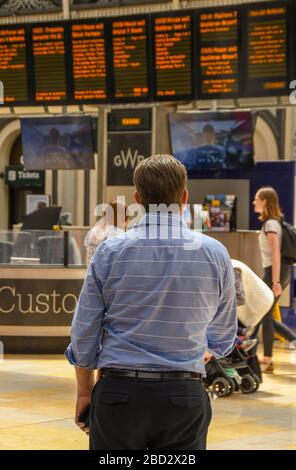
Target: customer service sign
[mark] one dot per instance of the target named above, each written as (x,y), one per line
(39,302)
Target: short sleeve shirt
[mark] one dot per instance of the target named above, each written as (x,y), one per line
(274,226)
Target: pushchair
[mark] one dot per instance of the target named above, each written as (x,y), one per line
(231,373)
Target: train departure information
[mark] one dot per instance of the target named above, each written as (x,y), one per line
(218,62)
(89,61)
(13,64)
(49,63)
(130,58)
(172,35)
(267,51)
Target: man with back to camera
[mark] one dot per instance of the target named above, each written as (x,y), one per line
(154,300)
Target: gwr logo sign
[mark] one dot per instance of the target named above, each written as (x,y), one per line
(128,158)
(125,151)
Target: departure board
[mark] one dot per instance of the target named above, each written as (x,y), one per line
(218,71)
(13,64)
(89,61)
(130,61)
(48,45)
(267,61)
(172,36)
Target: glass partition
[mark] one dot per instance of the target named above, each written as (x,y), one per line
(43,247)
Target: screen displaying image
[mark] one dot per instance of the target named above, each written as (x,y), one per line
(57,143)
(213,140)
(221,212)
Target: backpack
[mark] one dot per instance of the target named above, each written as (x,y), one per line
(288,247)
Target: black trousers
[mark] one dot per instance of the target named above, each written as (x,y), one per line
(140,414)
(269,325)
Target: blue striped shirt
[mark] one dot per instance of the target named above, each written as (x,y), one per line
(155,298)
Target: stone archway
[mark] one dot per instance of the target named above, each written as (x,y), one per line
(266,145)
(8,135)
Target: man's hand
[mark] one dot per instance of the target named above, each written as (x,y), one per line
(207,357)
(81,403)
(85,384)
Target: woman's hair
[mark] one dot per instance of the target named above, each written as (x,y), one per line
(272,209)
(116,213)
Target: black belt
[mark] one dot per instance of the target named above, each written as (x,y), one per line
(140,374)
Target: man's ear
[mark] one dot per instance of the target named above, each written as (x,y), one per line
(185,197)
(137,197)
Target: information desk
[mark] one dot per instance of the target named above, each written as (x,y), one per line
(37,306)
(37,302)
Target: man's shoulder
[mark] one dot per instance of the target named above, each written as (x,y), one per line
(214,246)
(113,243)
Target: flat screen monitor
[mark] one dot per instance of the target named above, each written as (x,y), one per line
(219,53)
(49,61)
(89,69)
(57,143)
(172,43)
(13,64)
(42,219)
(266,42)
(213,140)
(130,43)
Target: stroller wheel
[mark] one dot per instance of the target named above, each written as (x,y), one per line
(248,384)
(221,387)
(232,385)
(257,382)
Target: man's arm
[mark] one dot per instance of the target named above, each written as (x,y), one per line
(85,384)
(222,330)
(86,338)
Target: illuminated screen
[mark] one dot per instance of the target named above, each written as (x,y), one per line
(267,67)
(89,61)
(13,64)
(172,60)
(129,40)
(48,43)
(218,55)
(212,140)
(57,143)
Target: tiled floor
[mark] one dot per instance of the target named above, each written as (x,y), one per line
(37,402)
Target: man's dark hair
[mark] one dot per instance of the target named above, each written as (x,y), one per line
(160,179)
(208,128)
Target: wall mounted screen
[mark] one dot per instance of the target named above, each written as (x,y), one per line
(49,52)
(218,55)
(172,43)
(130,57)
(57,143)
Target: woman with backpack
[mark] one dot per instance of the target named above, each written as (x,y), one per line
(277,272)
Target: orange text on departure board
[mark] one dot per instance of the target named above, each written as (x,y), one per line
(219,52)
(130,121)
(173,55)
(267,47)
(266,12)
(13,68)
(89,62)
(49,60)
(130,58)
